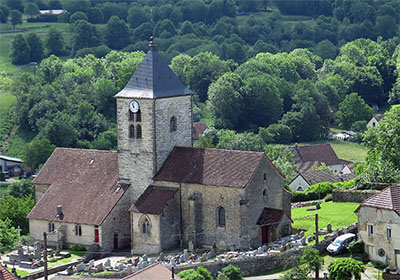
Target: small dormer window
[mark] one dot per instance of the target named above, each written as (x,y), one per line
(172,124)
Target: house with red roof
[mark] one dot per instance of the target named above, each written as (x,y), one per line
(157,192)
(379,226)
(154,271)
(5,274)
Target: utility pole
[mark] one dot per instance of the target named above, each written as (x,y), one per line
(45,255)
(316,245)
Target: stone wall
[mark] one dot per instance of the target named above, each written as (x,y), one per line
(389,276)
(339,195)
(40,189)
(250,265)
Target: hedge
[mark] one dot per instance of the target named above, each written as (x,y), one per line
(319,191)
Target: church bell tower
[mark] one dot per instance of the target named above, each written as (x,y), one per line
(154,114)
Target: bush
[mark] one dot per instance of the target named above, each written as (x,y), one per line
(356,247)
(230,272)
(2,176)
(99,51)
(44,18)
(328,197)
(319,191)
(78,248)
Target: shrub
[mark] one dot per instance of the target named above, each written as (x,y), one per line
(78,248)
(328,197)
(230,272)
(320,190)
(356,247)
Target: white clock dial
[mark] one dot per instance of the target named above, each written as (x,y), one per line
(134,106)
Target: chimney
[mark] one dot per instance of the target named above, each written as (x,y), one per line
(173,273)
(59,210)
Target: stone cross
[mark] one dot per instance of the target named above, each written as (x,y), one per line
(19,235)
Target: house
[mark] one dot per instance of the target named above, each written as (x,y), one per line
(309,156)
(5,274)
(343,136)
(379,226)
(375,120)
(11,165)
(154,271)
(80,201)
(311,177)
(157,192)
(198,128)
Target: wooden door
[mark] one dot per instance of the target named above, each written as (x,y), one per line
(115,241)
(264,234)
(96,235)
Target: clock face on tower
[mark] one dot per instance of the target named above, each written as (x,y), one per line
(134,106)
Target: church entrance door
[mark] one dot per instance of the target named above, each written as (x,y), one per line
(115,241)
(264,234)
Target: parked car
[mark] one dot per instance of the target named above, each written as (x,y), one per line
(339,245)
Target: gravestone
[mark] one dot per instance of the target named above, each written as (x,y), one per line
(99,267)
(181,259)
(121,267)
(204,257)
(80,267)
(185,255)
(91,263)
(70,270)
(129,269)
(211,254)
(37,250)
(191,246)
(107,263)
(145,257)
(329,228)
(20,251)
(152,261)
(162,258)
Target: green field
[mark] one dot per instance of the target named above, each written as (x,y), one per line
(337,214)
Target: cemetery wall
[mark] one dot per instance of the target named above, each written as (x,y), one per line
(352,195)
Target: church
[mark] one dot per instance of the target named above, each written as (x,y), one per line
(157,192)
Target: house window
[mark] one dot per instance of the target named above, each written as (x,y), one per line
(138,131)
(139,116)
(389,233)
(131,116)
(172,124)
(221,217)
(131,131)
(265,177)
(370,230)
(51,227)
(146,227)
(78,230)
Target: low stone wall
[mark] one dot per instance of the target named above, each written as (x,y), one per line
(250,265)
(52,270)
(339,195)
(306,203)
(389,276)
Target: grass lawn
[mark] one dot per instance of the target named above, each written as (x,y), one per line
(337,214)
(19,272)
(74,255)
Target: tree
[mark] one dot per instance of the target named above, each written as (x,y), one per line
(116,33)
(31,10)
(37,152)
(78,16)
(95,15)
(230,272)
(15,5)
(8,236)
(199,274)
(352,109)
(16,210)
(276,134)
(283,160)
(15,18)
(54,42)
(35,47)
(84,35)
(4,12)
(345,269)
(20,50)
(21,188)
(226,101)
(383,158)
(137,16)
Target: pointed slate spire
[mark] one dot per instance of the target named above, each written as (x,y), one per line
(153,79)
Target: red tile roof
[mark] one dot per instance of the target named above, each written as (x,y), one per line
(318,176)
(198,128)
(153,272)
(210,167)
(270,216)
(388,199)
(316,153)
(83,181)
(153,200)
(5,274)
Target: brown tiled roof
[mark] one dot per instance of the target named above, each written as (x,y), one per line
(270,216)
(198,128)
(380,117)
(5,274)
(319,176)
(153,200)
(316,153)
(388,199)
(83,181)
(307,166)
(210,166)
(153,272)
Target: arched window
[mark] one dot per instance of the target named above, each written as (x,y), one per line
(138,131)
(146,227)
(172,124)
(221,217)
(131,131)
(139,116)
(131,116)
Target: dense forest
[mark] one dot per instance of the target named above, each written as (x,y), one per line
(264,72)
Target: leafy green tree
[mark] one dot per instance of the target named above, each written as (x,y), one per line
(8,236)
(37,152)
(31,9)
(352,109)
(21,188)
(345,269)
(199,274)
(60,131)
(230,272)
(15,18)
(137,16)
(283,160)
(247,141)
(78,16)
(20,51)
(276,134)
(226,101)
(16,210)
(73,6)
(298,273)
(15,5)
(54,42)
(95,15)
(116,33)
(55,4)
(178,65)
(35,47)
(4,12)
(107,140)
(312,259)
(84,35)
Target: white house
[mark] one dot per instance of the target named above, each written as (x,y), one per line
(373,122)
